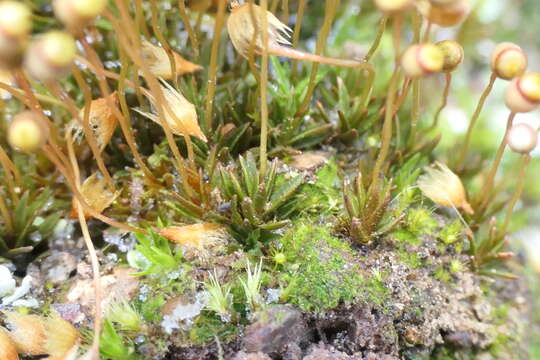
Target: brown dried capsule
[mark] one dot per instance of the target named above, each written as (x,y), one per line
(508,61)
(160,65)
(523,93)
(452,54)
(76,14)
(522,138)
(15,25)
(27,132)
(444,15)
(97,193)
(102,120)
(393,6)
(50,56)
(422,59)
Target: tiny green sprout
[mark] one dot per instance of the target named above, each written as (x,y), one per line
(252,285)
(125,316)
(220,300)
(279,258)
(456,266)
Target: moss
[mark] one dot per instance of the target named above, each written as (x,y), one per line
(208,326)
(323,196)
(451,232)
(321,271)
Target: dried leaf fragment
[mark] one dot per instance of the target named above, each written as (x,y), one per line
(160,65)
(101,119)
(196,239)
(97,193)
(8,351)
(444,188)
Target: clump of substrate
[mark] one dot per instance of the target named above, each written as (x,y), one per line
(410,296)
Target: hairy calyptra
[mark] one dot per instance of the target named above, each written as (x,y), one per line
(244,27)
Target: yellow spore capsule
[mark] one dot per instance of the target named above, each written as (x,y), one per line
(393,6)
(522,138)
(453,54)
(523,93)
(508,61)
(76,14)
(50,56)
(26,132)
(422,59)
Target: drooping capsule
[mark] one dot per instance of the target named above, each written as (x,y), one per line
(453,54)
(523,93)
(522,138)
(508,61)
(422,59)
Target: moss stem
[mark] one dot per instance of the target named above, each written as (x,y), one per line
(517,193)
(446,92)
(473,121)
(213,68)
(264,94)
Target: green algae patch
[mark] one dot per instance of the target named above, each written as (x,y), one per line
(322,271)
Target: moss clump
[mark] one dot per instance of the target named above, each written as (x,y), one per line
(208,326)
(321,271)
(323,196)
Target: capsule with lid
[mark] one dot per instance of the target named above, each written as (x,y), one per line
(522,138)
(523,93)
(422,59)
(15,25)
(393,6)
(76,14)
(447,15)
(453,54)
(50,56)
(508,61)
(26,132)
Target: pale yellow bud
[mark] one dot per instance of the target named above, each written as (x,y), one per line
(15,19)
(26,132)
(50,56)
(393,6)
(15,25)
(444,188)
(522,138)
(444,15)
(523,93)
(452,54)
(422,59)
(76,14)
(197,240)
(508,61)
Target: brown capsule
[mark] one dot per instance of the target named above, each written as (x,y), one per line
(523,93)
(50,56)
(15,25)
(444,15)
(102,120)
(393,6)
(522,138)
(76,14)
(27,132)
(508,61)
(422,59)
(452,54)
